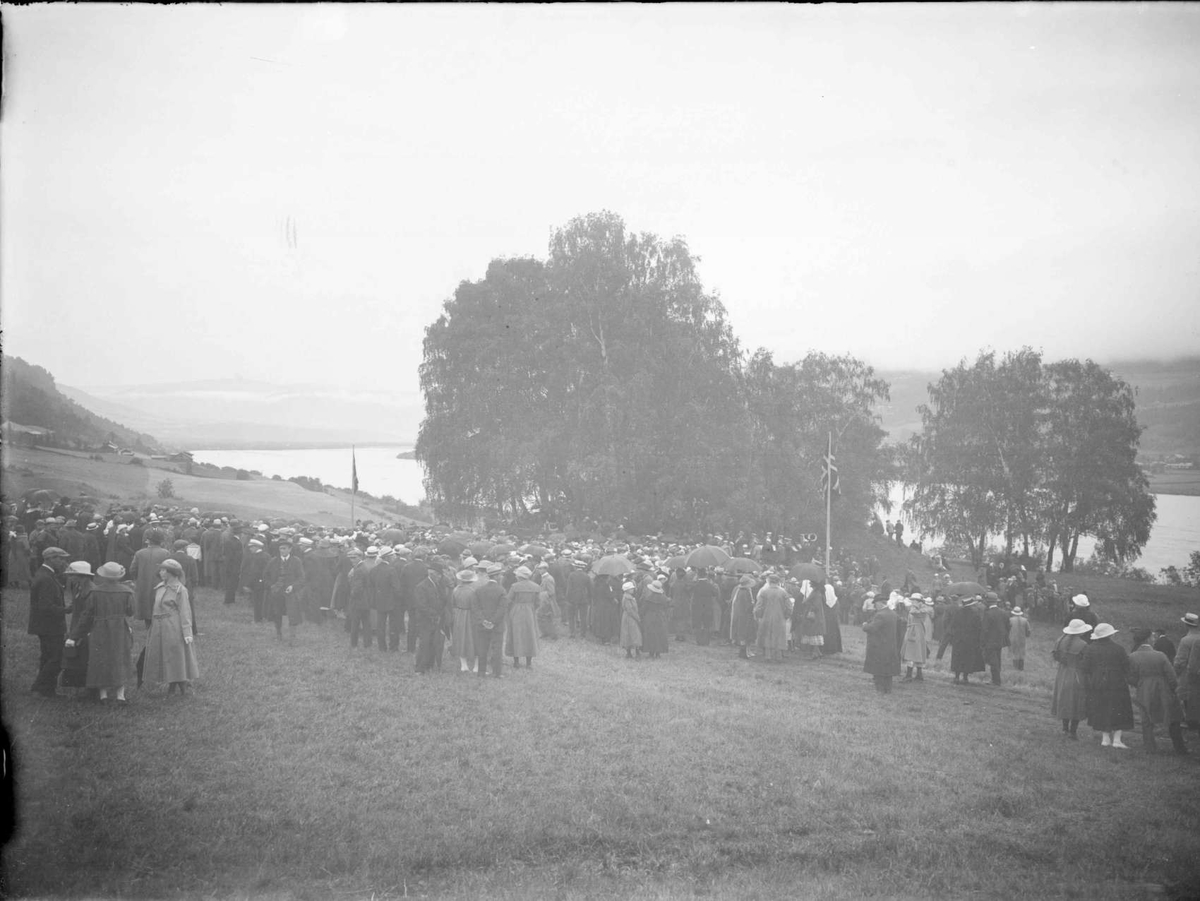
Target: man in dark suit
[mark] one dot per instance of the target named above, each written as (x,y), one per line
(231,562)
(383,586)
(429,605)
(995,634)
(285,584)
(47,619)
(489,608)
(411,575)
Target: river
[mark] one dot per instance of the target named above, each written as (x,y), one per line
(1176,532)
(1174,536)
(379,472)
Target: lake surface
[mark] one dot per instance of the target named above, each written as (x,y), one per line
(379,472)
(1175,535)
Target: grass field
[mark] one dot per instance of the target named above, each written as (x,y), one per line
(1176,482)
(320,772)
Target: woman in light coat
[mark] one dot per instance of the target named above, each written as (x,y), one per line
(772,609)
(631,621)
(462,635)
(915,650)
(1018,631)
(170,655)
(523,599)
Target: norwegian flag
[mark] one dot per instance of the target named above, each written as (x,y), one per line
(830,472)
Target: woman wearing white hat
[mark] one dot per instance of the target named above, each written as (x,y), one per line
(631,621)
(1069,702)
(75,656)
(104,625)
(170,655)
(522,639)
(1105,668)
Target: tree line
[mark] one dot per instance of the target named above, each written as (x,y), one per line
(1038,453)
(605,384)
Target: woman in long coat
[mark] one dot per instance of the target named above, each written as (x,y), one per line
(915,650)
(75,655)
(808,617)
(105,625)
(771,611)
(631,621)
(522,640)
(743,630)
(655,638)
(835,606)
(1105,668)
(170,656)
(1018,632)
(462,635)
(606,610)
(17,573)
(1069,703)
(882,659)
(965,635)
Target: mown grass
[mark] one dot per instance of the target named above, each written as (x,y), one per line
(318,772)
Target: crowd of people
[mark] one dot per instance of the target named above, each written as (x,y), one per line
(490,599)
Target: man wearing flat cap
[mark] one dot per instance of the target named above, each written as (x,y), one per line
(47,619)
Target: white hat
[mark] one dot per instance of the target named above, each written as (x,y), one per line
(628,586)
(372,551)
(1017,611)
(469,562)
(1076,627)
(523,572)
(79,568)
(466,576)
(1104,630)
(1081,600)
(254,542)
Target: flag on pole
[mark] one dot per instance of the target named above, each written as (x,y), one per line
(830,471)
(353,471)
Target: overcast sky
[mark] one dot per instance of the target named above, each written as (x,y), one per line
(290,193)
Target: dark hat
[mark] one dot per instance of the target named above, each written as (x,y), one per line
(54,552)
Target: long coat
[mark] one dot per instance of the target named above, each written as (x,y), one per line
(771,611)
(965,634)
(1070,693)
(743,630)
(231,560)
(1018,631)
(522,638)
(655,639)
(18,560)
(808,617)
(1105,668)
(210,556)
(706,606)
(143,570)
(606,609)
(104,622)
(1154,683)
(916,636)
(631,622)
(169,657)
(462,635)
(883,652)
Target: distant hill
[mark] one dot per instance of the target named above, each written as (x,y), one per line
(1168,403)
(237,413)
(30,397)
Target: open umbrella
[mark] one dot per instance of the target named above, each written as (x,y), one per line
(499,550)
(391,536)
(679,561)
(814,572)
(463,537)
(612,565)
(535,550)
(480,548)
(743,565)
(451,548)
(963,589)
(706,556)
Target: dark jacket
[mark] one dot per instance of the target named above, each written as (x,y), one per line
(47,612)
(995,628)
(883,651)
(383,586)
(1105,668)
(489,602)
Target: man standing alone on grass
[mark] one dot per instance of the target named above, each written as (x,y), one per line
(489,609)
(882,658)
(285,576)
(47,620)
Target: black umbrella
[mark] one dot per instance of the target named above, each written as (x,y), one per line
(814,572)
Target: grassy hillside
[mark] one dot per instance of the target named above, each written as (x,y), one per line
(116,479)
(319,772)
(30,397)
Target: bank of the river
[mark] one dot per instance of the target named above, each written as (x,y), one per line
(1183,482)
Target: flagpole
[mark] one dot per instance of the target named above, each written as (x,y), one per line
(828,502)
(353,484)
